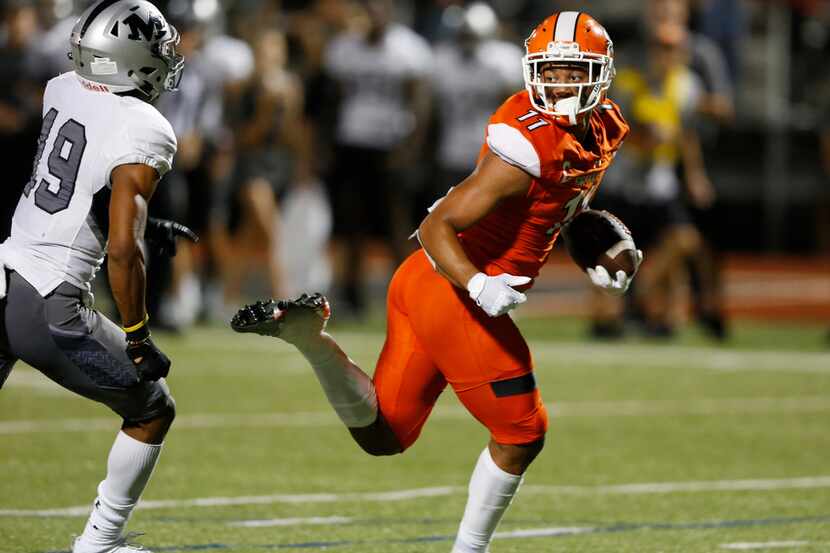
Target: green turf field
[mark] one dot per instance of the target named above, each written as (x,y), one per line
(683,447)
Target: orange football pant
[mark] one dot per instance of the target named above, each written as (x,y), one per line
(437,335)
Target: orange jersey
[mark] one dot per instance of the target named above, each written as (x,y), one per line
(518,235)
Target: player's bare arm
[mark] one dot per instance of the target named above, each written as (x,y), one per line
(492,181)
(132,187)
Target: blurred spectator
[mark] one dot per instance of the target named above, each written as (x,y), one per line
(55,18)
(438,20)
(715,108)
(304,241)
(658,96)
(231,59)
(474,73)
(195,112)
(230,63)
(382,75)
(20,101)
(309,32)
(705,57)
(272,152)
(724,22)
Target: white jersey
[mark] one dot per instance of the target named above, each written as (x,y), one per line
(470,87)
(374,111)
(58,231)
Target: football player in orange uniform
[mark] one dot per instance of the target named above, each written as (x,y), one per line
(546,150)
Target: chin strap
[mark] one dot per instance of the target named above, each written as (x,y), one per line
(568,106)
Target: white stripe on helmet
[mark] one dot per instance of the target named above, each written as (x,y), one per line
(565,27)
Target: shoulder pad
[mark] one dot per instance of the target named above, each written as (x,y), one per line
(512,146)
(531,131)
(151,140)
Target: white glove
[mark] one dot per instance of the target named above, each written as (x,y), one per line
(494,294)
(618,285)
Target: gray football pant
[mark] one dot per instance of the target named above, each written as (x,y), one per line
(75,346)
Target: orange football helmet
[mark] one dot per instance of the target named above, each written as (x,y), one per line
(568,39)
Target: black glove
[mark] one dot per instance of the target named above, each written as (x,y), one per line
(150,363)
(161,235)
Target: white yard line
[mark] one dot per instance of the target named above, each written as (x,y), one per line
(813,482)
(745,546)
(610,408)
(297,521)
(544,532)
(677,487)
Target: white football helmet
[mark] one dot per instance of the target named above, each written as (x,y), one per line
(127,45)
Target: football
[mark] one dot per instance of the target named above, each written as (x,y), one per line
(596,237)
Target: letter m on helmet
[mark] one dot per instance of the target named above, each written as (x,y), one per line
(151,30)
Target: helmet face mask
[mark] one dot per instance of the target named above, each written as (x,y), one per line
(168,51)
(127,46)
(587,48)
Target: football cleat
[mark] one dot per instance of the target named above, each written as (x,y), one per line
(122,546)
(290,320)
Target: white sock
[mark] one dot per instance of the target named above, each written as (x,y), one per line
(349,390)
(129,467)
(491,491)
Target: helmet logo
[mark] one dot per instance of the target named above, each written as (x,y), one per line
(151,30)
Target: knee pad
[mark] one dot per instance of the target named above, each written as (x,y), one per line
(163,408)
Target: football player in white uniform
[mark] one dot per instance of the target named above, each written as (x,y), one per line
(102,149)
